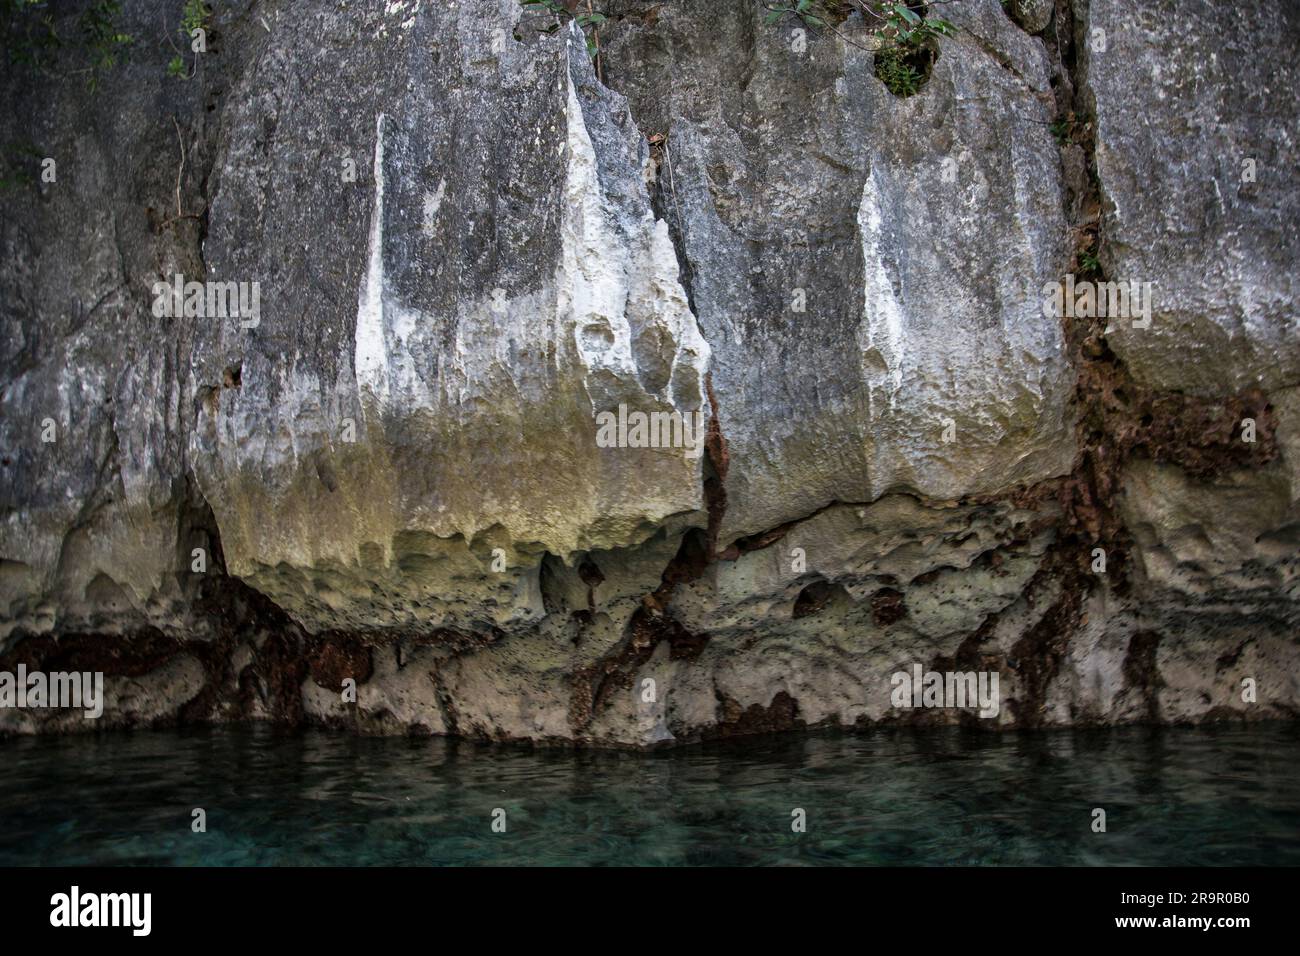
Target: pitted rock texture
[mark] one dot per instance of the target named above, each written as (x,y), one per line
(381,505)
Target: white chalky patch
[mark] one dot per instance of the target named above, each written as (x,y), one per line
(592,284)
(432,203)
(370,354)
(603,277)
(881,330)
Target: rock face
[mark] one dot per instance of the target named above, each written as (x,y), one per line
(697,391)
(838,243)
(1196,155)
(507,285)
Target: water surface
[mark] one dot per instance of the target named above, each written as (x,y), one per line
(1178,796)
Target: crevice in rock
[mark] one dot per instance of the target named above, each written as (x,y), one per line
(887,607)
(905,71)
(717,461)
(591,575)
(1120,419)
(666,206)
(650,624)
(997,56)
(761,540)
(450,715)
(815,597)
(550,582)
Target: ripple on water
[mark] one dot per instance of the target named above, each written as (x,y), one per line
(1173,796)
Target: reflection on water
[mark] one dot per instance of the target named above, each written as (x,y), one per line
(1173,796)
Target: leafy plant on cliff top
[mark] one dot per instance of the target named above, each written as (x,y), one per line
(898,75)
(105,41)
(903,36)
(30,36)
(195,15)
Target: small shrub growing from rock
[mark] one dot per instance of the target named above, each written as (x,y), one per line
(903,38)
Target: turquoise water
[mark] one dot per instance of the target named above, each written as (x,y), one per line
(1172,796)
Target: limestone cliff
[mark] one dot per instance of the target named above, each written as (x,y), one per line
(470,241)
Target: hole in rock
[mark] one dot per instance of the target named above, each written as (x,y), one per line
(815,597)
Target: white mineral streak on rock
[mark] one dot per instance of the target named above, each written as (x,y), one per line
(405,384)
(386,329)
(591,275)
(432,203)
(880,335)
(670,299)
(371,354)
(606,276)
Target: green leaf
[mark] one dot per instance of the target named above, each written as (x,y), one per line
(906,14)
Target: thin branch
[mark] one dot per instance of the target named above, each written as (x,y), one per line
(180,173)
(672,185)
(177,50)
(180,141)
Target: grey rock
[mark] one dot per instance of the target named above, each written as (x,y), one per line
(1232,545)
(915,235)
(1033,16)
(1195,105)
(391,472)
(506,285)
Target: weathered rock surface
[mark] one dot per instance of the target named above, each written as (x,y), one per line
(839,243)
(1197,158)
(381,503)
(509,284)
